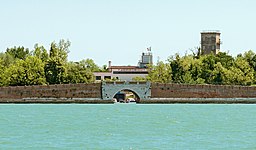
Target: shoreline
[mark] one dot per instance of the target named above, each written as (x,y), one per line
(148,101)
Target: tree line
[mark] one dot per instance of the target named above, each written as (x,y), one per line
(20,66)
(222,69)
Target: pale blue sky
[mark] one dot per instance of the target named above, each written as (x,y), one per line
(121,30)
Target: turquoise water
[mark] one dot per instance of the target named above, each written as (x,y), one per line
(127,126)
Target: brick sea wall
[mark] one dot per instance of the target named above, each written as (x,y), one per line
(201,91)
(52,91)
(160,93)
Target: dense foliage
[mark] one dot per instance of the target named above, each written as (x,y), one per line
(206,69)
(20,66)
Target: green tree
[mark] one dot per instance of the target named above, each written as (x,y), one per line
(7,59)
(89,64)
(176,68)
(18,52)
(40,52)
(104,68)
(81,72)
(240,73)
(243,72)
(60,50)
(2,70)
(250,57)
(208,65)
(15,74)
(218,75)
(161,73)
(187,78)
(197,52)
(197,71)
(34,71)
(55,68)
(55,71)
(186,69)
(25,72)
(77,73)
(226,60)
(139,78)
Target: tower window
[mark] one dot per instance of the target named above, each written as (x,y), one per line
(107,77)
(213,39)
(98,77)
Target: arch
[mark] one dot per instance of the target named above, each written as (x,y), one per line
(137,97)
(141,89)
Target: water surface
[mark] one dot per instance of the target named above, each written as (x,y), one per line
(127,126)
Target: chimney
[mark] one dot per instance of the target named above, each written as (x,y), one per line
(109,64)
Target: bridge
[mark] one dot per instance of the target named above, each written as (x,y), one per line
(142,90)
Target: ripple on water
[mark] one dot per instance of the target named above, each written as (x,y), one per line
(127,126)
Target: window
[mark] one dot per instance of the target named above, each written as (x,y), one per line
(213,47)
(213,39)
(107,77)
(98,77)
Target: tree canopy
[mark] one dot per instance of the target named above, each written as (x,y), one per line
(40,66)
(20,66)
(206,69)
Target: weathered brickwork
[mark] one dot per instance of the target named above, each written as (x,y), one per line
(201,91)
(72,92)
(52,91)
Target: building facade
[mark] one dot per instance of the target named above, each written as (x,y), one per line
(123,73)
(210,42)
(127,73)
(146,58)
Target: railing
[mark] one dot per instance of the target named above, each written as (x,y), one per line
(125,82)
(210,31)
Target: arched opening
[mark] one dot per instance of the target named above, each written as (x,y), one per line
(126,96)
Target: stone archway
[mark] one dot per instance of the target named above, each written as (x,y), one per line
(127,95)
(141,89)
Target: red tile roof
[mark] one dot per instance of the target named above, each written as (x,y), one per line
(123,67)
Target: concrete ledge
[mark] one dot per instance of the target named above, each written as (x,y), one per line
(55,101)
(148,101)
(199,101)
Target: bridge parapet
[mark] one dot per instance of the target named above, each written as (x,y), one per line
(141,89)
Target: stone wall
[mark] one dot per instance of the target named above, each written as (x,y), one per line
(91,93)
(52,91)
(201,91)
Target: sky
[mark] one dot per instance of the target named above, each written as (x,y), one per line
(120,30)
